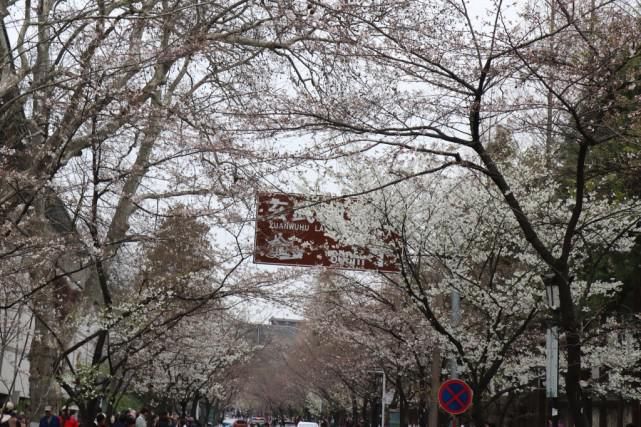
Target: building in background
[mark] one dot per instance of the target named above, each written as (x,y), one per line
(16,333)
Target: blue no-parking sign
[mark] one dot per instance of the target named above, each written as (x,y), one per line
(455,396)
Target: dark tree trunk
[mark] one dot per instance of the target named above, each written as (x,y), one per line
(422,401)
(194,405)
(354,410)
(403,410)
(88,411)
(374,414)
(364,412)
(208,411)
(41,357)
(478,412)
(570,325)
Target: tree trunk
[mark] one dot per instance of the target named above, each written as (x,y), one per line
(478,412)
(436,383)
(194,405)
(88,412)
(204,418)
(374,414)
(572,378)
(403,410)
(506,408)
(43,389)
(354,410)
(570,325)
(364,412)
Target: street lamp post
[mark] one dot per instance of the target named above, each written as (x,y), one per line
(552,340)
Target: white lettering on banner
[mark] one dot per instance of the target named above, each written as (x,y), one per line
(290,231)
(283,249)
(300,215)
(346,258)
(378,258)
(288,226)
(277,208)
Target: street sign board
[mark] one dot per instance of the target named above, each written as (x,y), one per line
(289,232)
(455,396)
(552,362)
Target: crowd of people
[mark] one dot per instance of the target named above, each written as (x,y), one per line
(11,417)
(68,417)
(147,418)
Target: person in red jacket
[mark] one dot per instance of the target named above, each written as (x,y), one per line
(72,419)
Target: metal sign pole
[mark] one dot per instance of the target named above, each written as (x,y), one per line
(455,300)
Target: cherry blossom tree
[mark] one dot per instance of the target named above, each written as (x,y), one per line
(111,115)
(190,362)
(423,86)
(159,319)
(114,114)
(457,234)
(366,327)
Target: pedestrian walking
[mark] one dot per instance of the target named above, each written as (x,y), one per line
(6,414)
(49,419)
(101,420)
(164,420)
(24,421)
(72,417)
(9,416)
(141,421)
(62,416)
(121,420)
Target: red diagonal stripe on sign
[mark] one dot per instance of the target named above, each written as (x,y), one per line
(456,397)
